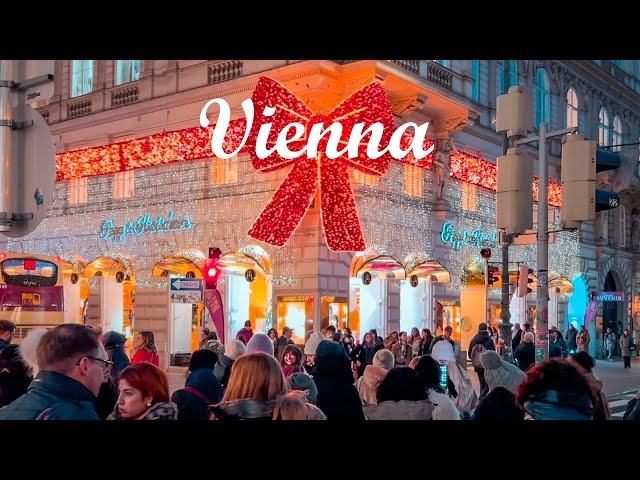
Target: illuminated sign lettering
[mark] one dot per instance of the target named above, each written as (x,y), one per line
(475,238)
(143,225)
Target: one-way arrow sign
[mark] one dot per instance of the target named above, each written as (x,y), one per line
(186,284)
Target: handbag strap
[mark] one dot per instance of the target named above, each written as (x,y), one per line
(198,394)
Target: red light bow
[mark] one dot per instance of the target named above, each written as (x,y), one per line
(287,207)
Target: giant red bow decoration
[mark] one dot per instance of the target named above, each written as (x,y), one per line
(287,207)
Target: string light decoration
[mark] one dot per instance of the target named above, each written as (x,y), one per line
(471,169)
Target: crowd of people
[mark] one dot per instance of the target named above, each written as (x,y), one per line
(75,372)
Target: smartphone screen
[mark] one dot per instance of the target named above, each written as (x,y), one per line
(443,375)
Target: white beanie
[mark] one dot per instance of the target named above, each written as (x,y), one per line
(384,359)
(235,349)
(260,343)
(312,343)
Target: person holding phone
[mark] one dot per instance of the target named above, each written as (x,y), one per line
(430,372)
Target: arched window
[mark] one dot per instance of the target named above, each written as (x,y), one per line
(616,134)
(543,98)
(572,108)
(475,73)
(512,73)
(603,127)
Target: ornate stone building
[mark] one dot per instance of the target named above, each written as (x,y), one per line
(131,157)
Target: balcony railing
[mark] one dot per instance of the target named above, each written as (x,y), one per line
(124,96)
(78,108)
(412,65)
(221,72)
(434,72)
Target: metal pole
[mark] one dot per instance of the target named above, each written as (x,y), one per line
(505,315)
(542,292)
(6,207)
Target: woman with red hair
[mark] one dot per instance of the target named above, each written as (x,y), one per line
(144,395)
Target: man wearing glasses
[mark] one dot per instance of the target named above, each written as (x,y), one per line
(73,364)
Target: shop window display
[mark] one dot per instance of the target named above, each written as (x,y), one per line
(296,313)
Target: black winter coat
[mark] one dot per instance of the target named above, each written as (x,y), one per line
(201,390)
(515,341)
(12,385)
(337,396)
(107,398)
(53,396)
(364,355)
(525,355)
(483,338)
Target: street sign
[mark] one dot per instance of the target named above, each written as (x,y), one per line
(185,290)
(610,297)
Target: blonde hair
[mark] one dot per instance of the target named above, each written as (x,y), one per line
(528,337)
(414,362)
(257,376)
(291,407)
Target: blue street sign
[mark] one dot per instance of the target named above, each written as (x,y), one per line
(186,284)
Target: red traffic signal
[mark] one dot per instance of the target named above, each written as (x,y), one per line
(211,269)
(493,275)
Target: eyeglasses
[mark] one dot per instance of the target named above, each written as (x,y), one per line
(106,364)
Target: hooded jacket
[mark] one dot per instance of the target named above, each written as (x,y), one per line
(157,411)
(367,384)
(337,396)
(53,396)
(222,369)
(114,345)
(201,390)
(499,373)
(402,410)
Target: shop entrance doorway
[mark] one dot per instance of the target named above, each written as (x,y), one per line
(111,293)
(184,315)
(612,312)
(246,290)
(368,291)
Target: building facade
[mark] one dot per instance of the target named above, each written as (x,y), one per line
(140,193)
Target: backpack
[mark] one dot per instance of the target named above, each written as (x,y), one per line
(476,352)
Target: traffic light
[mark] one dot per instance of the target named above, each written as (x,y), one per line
(493,275)
(212,270)
(581,160)
(524,280)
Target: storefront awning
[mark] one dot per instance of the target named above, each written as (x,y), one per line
(109,266)
(384,265)
(429,269)
(563,284)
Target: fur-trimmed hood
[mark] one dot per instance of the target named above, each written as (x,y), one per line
(157,411)
(245,409)
(367,385)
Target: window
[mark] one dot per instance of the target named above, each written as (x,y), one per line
(469,197)
(223,171)
(124,184)
(603,127)
(572,108)
(616,134)
(127,71)
(412,180)
(78,191)
(512,74)
(81,77)
(444,63)
(363,178)
(475,73)
(621,226)
(543,98)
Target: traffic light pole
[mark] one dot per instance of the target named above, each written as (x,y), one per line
(542,249)
(505,315)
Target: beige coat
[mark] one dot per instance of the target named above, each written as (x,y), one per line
(367,384)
